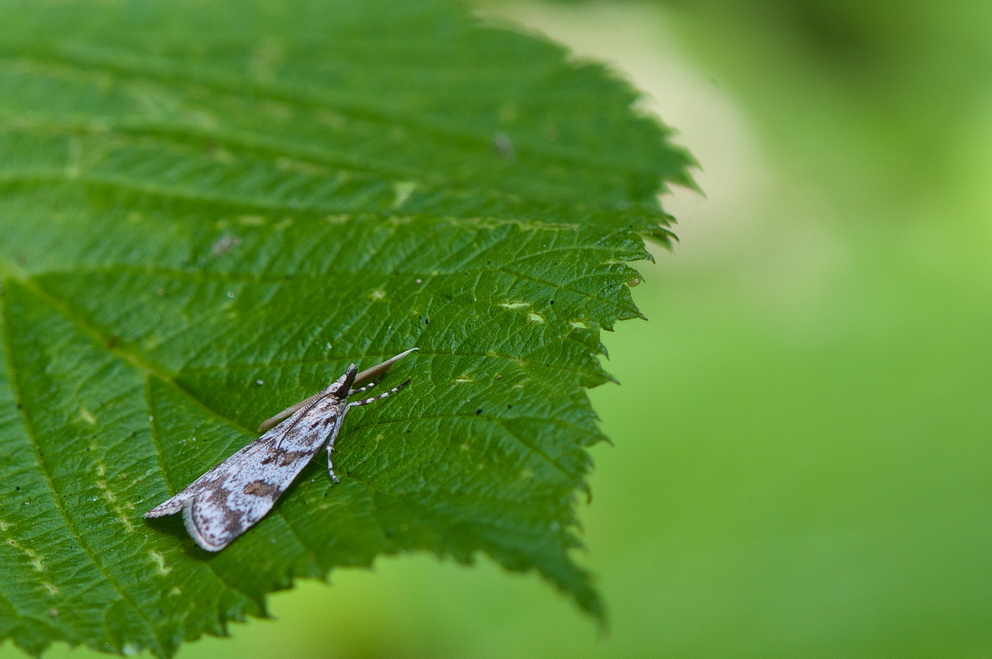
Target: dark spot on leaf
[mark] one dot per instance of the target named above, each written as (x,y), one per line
(478,411)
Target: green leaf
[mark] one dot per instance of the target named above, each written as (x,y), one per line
(209,209)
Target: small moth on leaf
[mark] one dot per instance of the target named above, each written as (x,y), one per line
(226,501)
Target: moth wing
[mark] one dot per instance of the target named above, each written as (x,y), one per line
(274,420)
(242,491)
(227,500)
(183,498)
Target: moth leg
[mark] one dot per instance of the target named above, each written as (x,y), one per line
(330,443)
(330,467)
(366,401)
(361,389)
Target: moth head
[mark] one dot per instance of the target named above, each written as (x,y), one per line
(342,386)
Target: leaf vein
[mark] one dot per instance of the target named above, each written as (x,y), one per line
(58,505)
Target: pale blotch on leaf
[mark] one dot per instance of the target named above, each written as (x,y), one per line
(402,191)
(87,416)
(107,494)
(224,244)
(159,560)
(513,305)
(535,318)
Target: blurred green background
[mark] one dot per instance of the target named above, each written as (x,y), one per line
(801,461)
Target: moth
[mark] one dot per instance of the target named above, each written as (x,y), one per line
(229,499)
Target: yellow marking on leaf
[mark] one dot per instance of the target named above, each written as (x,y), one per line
(160,567)
(402,191)
(107,494)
